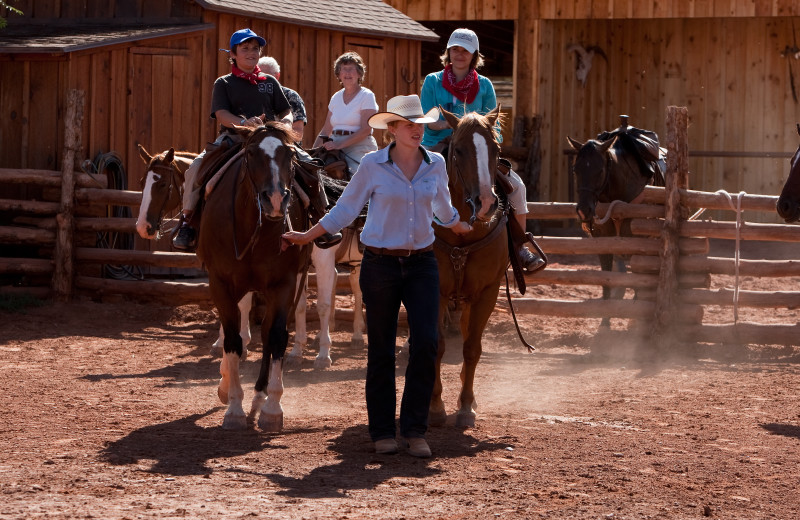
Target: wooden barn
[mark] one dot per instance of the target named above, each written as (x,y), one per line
(733,63)
(148,67)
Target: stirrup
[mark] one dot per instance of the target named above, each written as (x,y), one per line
(328,240)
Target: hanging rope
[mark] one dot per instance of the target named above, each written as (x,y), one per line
(737,252)
(110,165)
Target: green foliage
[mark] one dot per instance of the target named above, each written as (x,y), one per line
(18,302)
(4,4)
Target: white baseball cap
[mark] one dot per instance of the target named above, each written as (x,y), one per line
(464,38)
(403,107)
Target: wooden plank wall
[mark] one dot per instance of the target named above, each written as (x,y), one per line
(594,9)
(729,74)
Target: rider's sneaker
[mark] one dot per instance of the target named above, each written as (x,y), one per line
(529,261)
(185,239)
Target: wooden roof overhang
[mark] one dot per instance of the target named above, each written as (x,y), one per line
(64,39)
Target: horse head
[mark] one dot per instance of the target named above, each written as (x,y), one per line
(788,205)
(268,153)
(162,189)
(592,173)
(472,162)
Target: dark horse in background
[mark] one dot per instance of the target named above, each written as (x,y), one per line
(788,205)
(615,166)
(240,244)
(471,266)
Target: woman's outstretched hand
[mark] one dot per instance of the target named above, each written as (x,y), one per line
(296,238)
(462,228)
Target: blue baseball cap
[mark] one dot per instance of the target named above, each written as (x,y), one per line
(245,34)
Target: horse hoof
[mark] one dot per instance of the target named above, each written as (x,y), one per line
(357,343)
(293,361)
(465,420)
(271,423)
(437,418)
(234,422)
(323,362)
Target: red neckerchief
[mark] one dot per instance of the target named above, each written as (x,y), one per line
(464,90)
(253,77)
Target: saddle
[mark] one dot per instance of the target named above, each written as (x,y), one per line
(642,146)
(332,162)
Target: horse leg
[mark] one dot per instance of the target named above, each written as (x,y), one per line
(358,308)
(245,304)
(436,413)
(473,322)
(230,387)
(275,338)
(325,266)
(295,357)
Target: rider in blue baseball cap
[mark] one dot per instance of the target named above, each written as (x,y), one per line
(245,34)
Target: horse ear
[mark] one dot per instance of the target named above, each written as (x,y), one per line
(493,115)
(143,154)
(170,155)
(605,145)
(450,117)
(576,145)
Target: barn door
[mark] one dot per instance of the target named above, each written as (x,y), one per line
(375,58)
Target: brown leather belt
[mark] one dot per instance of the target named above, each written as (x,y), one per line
(342,132)
(397,252)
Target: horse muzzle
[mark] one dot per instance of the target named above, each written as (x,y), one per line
(788,210)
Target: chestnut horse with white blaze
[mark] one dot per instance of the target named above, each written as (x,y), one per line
(471,266)
(251,206)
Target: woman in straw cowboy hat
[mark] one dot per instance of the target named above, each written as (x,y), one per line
(406,187)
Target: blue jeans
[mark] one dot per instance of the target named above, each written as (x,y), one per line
(387,281)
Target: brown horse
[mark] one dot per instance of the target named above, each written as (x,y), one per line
(240,243)
(471,266)
(610,168)
(788,205)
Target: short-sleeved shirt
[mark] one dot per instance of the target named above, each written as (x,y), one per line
(347,116)
(240,97)
(296,102)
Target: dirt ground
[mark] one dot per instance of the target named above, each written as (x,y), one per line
(110,411)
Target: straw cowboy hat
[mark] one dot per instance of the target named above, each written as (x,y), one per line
(403,107)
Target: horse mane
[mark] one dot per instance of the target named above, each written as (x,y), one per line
(285,134)
(472,121)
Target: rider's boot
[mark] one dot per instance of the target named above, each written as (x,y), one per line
(186,237)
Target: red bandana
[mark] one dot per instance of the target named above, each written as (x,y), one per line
(253,77)
(464,90)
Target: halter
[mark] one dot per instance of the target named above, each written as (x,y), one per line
(605,171)
(171,168)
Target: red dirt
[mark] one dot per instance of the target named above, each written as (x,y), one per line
(111,412)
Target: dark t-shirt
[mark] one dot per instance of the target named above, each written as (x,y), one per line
(242,98)
(296,102)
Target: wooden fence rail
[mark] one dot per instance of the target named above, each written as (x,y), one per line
(669,256)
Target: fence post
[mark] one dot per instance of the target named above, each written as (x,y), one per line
(64,274)
(677,177)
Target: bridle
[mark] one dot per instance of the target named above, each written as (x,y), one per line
(598,189)
(173,187)
(457,168)
(256,194)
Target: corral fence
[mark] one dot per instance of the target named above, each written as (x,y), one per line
(669,256)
